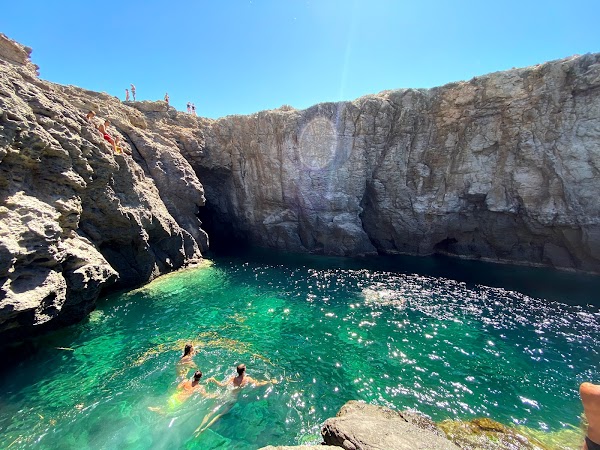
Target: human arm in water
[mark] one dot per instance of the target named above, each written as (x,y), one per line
(254,382)
(222,384)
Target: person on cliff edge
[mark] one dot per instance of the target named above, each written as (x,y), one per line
(590,398)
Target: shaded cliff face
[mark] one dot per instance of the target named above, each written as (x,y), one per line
(77,219)
(502,167)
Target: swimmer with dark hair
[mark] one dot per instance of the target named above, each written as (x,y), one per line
(184,391)
(186,361)
(221,409)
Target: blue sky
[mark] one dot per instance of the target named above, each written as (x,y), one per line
(242,56)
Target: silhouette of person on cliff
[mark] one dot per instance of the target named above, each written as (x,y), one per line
(126,95)
(237,382)
(189,107)
(590,398)
(193,109)
(133,92)
(167,100)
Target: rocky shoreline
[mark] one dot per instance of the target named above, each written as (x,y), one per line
(360,426)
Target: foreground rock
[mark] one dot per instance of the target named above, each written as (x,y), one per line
(76,219)
(502,167)
(359,426)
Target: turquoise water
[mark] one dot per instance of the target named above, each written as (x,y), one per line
(329,330)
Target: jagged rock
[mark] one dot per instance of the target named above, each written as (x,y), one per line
(15,53)
(360,426)
(503,167)
(77,219)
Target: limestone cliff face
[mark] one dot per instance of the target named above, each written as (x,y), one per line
(503,167)
(76,218)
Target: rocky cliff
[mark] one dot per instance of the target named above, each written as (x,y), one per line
(77,219)
(503,167)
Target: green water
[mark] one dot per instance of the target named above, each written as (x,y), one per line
(330,330)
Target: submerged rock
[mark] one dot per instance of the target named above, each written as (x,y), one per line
(487,434)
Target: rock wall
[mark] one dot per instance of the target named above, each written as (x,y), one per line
(503,167)
(77,219)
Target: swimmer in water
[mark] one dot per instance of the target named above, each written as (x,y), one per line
(184,391)
(186,362)
(237,382)
(241,379)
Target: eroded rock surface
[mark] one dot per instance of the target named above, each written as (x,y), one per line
(360,426)
(76,218)
(503,167)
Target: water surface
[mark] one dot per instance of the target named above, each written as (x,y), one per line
(391,331)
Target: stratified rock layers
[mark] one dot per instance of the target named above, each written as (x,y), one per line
(76,218)
(503,167)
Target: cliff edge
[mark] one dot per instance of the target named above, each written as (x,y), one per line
(77,219)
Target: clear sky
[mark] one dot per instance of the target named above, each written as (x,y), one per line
(242,56)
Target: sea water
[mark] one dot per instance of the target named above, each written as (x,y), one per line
(434,335)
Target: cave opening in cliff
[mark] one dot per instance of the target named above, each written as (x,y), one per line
(223,237)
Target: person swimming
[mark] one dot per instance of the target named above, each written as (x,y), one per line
(241,379)
(184,391)
(221,409)
(186,361)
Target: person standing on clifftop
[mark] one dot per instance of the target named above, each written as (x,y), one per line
(126,95)
(193,109)
(189,108)
(167,100)
(133,92)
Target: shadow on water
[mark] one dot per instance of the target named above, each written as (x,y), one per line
(550,284)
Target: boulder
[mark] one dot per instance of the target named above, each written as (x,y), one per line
(360,426)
